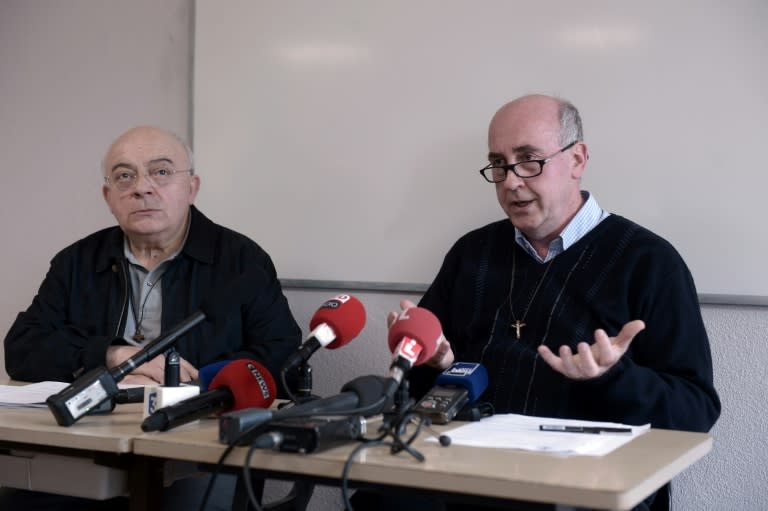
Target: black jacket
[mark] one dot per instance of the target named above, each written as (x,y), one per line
(81,307)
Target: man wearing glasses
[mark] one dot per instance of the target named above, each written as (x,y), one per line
(109,294)
(146,275)
(575,312)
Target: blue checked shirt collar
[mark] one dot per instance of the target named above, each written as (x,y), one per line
(585,220)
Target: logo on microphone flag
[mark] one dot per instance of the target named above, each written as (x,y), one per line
(409,349)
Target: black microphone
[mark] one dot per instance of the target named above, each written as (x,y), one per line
(129,395)
(160,396)
(362,396)
(172,368)
(99,385)
(307,435)
(240,384)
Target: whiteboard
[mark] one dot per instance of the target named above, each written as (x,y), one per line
(345,136)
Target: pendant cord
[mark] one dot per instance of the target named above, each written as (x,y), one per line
(520,323)
(137,335)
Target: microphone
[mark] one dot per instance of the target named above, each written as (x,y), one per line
(413,339)
(362,396)
(206,373)
(99,385)
(156,397)
(334,324)
(307,435)
(240,384)
(136,394)
(459,385)
(172,368)
(129,395)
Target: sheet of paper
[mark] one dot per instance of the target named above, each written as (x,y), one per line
(32,395)
(512,431)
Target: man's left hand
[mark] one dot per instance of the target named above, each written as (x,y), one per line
(594,360)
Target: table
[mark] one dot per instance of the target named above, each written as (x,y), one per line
(616,481)
(91,459)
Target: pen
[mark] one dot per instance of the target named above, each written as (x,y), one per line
(583,429)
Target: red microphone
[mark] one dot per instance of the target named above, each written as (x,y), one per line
(243,383)
(413,339)
(336,322)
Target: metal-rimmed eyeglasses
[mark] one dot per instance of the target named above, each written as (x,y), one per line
(522,169)
(126,179)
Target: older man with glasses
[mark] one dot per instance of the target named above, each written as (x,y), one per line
(575,312)
(111,293)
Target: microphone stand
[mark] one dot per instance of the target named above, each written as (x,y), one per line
(304,390)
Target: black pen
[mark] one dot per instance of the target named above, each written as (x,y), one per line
(595,430)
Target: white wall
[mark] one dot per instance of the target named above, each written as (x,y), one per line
(392,102)
(74,74)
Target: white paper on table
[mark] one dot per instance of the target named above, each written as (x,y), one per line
(513,431)
(32,395)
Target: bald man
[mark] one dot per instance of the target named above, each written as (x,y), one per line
(109,294)
(114,291)
(575,312)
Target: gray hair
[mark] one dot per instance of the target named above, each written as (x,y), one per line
(570,123)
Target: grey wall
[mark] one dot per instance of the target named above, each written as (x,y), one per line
(74,74)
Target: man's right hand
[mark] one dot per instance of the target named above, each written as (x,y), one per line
(443,356)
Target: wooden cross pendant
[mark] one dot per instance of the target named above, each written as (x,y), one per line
(518,325)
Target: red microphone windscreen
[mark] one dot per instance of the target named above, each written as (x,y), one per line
(419,324)
(250,383)
(345,315)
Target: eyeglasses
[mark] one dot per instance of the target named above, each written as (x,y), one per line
(522,169)
(124,179)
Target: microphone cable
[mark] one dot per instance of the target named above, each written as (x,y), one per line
(220,463)
(214,475)
(247,478)
(288,390)
(255,430)
(395,426)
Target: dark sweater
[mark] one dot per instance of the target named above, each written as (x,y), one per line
(618,272)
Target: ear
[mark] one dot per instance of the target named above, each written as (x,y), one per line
(105,191)
(194,187)
(579,157)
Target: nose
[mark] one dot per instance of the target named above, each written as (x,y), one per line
(512,181)
(143,184)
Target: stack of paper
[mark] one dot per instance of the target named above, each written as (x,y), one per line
(512,431)
(33,395)
(29,396)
